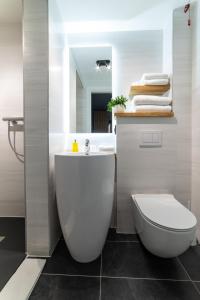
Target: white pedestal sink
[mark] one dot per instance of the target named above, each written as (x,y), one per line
(85,192)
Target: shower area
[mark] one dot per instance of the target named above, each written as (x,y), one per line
(12,199)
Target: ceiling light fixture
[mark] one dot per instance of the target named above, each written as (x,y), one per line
(103,64)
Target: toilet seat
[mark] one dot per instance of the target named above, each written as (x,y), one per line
(163,210)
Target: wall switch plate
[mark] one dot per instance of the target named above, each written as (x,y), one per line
(151,138)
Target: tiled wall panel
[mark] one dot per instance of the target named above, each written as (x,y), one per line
(12,201)
(36,93)
(196,113)
(165,169)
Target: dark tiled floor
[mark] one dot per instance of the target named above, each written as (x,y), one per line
(125,271)
(62,263)
(132,289)
(133,260)
(64,287)
(197,284)
(113,237)
(12,248)
(191,261)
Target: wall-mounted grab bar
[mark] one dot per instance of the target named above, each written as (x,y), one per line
(15,124)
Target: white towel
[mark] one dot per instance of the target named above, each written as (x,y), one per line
(156,82)
(151,76)
(151,100)
(159,108)
(106,148)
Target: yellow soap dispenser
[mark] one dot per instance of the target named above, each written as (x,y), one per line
(75,146)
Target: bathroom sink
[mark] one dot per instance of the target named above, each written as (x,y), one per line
(85,192)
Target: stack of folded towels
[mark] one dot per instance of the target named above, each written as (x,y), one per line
(153,102)
(155,79)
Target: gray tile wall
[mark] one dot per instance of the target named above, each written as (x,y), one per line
(44,121)
(182,82)
(44,124)
(166,169)
(196,112)
(36,93)
(12,202)
(56,113)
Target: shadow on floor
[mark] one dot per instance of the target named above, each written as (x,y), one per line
(12,247)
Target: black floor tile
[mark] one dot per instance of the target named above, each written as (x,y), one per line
(66,288)
(12,248)
(9,262)
(129,289)
(197,286)
(114,236)
(61,262)
(191,261)
(14,231)
(133,260)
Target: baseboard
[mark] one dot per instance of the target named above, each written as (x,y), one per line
(23,280)
(22,217)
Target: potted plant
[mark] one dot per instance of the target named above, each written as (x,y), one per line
(117,104)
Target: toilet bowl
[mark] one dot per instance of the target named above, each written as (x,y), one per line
(165,227)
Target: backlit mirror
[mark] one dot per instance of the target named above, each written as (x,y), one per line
(90,84)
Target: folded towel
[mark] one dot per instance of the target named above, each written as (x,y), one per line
(106,148)
(156,82)
(151,100)
(159,108)
(151,76)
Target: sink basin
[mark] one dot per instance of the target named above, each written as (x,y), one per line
(99,153)
(85,193)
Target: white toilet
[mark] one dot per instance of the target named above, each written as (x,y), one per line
(165,226)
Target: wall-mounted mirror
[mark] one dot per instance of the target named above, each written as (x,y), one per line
(90,76)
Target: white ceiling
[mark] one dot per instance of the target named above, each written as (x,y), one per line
(104,10)
(85,59)
(10,11)
(115,15)
(96,10)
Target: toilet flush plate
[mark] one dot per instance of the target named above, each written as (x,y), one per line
(151,138)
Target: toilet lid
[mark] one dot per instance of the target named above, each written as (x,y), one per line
(164,210)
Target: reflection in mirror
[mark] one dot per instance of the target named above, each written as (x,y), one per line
(90,89)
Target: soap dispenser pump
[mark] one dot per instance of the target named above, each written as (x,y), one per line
(75,146)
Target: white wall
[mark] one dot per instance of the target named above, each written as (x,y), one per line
(12,201)
(166,169)
(142,53)
(196,113)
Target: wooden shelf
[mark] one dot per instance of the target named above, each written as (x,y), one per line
(149,89)
(145,114)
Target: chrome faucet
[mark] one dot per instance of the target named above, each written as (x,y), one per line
(87,147)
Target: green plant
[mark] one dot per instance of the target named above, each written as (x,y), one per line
(119,100)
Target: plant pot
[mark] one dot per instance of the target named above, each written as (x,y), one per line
(118,109)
